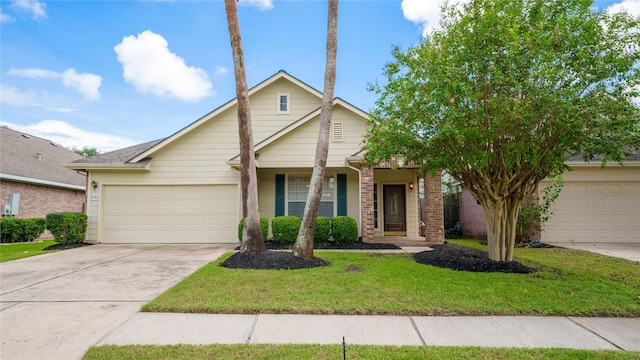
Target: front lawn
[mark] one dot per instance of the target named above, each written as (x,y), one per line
(568,283)
(322,352)
(10,252)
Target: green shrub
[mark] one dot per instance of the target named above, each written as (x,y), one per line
(322,230)
(20,230)
(264,226)
(344,229)
(285,229)
(67,227)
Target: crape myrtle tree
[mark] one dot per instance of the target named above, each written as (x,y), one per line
(303,246)
(252,241)
(504,92)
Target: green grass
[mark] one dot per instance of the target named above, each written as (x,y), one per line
(322,352)
(567,283)
(10,252)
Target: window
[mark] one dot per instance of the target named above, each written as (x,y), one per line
(297,191)
(283,106)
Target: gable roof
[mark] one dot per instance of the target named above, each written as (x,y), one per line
(116,159)
(28,158)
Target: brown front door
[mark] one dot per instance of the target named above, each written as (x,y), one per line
(394,210)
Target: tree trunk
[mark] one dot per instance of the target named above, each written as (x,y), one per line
(303,246)
(252,241)
(501,216)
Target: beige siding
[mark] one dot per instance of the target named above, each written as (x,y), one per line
(597,205)
(169,214)
(299,146)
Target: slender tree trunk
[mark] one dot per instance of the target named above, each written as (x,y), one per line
(252,241)
(303,246)
(501,216)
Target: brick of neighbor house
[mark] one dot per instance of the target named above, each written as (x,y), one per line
(367,221)
(433,204)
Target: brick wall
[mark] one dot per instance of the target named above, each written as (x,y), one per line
(472,216)
(434,210)
(36,201)
(367,221)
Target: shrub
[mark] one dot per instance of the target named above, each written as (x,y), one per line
(322,230)
(344,230)
(264,226)
(67,227)
(285,229)
(20,230)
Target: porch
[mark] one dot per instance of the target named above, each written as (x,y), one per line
(402,241)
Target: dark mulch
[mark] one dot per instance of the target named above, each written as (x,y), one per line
(66,247)
(332,245)
(271,260)
(463,258)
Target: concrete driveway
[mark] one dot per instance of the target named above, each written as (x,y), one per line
(629,251)
(56,306)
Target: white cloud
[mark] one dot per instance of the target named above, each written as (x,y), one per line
(262,5)
(35,7)
(221,70)
(67,135)
(85,83)
(4,18)
(151,67)
(13,96)
(425,12)
(631,6)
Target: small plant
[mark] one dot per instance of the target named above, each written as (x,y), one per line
(20,230)
(344,230)
(285,229)
(322,230)
(264,226)
(67,227)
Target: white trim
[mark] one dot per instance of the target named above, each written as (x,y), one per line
(41,182)
(279,103)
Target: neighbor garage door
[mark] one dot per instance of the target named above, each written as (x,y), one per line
(596,212)
(170,214)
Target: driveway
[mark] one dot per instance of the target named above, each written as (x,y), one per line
(56,306)
(629,251)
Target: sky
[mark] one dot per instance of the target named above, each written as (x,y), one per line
(111,74)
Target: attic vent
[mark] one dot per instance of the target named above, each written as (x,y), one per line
(54,144)
(39,156)
(25,136)
(338,131)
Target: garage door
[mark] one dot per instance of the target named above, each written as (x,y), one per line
(596,212)
(170,214)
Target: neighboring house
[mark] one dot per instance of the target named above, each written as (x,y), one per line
(185,188)
(595,205)
(33,181)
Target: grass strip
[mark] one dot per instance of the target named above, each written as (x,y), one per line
(10,252)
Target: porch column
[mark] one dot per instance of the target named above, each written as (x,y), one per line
(366,202)
(434,209)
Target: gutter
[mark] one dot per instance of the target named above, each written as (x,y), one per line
(42,182)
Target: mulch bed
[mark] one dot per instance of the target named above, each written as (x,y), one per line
(66,247)
(464,258)
(450,256)
(332,245)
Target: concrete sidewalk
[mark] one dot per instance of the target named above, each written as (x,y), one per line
(491,331)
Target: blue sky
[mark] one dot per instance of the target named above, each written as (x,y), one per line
(110,74)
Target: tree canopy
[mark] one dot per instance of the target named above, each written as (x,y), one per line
(504,92)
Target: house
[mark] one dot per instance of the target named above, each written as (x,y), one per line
(185,188)
(33,181)
(595,205)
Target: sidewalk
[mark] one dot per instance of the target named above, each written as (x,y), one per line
(490,331)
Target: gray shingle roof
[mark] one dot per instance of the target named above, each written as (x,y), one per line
(32,157)
(118,156)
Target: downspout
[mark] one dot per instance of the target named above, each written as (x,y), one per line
(359,193)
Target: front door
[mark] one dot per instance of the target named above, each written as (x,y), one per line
(394,210)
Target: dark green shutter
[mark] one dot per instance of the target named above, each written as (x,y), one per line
(279,194)
(342,194)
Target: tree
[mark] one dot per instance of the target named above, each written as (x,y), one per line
(252,241)
(504,92)
(303,247)
(85,151)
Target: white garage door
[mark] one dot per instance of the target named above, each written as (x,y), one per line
(596,212)
(170,214)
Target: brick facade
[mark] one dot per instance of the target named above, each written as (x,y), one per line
(366,186)
(36,201)
(434,213)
